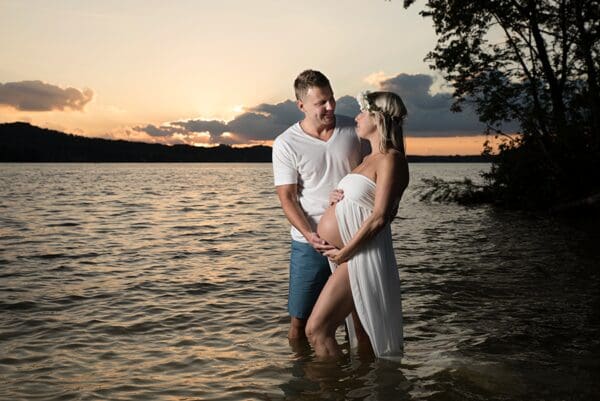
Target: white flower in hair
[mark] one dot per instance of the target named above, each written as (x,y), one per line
(363,101)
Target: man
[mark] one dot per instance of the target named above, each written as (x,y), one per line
(309,159)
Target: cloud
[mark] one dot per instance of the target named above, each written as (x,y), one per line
(40,96)
(374,78)
(153,130)
(169,134)
(347,106)
(214,127)
(284,113)
(259,123)
(430,115)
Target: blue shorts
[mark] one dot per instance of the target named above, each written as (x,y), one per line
(309,271)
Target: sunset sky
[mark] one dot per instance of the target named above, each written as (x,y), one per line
(207,72)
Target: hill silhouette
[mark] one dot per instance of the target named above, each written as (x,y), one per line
(23,142)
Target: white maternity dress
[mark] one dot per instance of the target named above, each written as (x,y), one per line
(373,271)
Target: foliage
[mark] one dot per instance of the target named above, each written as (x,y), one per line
(535,63)
(463,192)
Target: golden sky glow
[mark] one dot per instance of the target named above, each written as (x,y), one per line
(465,145)
(153,63)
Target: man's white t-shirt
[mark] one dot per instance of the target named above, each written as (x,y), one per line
(315,166)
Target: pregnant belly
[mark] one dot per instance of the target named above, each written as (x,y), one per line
(328,228)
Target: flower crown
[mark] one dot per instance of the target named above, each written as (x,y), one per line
(364,103)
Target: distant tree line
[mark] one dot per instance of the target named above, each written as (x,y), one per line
(22,142)
(535,62)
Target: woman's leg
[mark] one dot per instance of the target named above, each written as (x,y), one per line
(364,342)
(332,307)
(361,334)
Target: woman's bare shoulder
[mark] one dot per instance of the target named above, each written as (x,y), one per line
(393,157)
(395,163)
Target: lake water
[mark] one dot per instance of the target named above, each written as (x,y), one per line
(169,282)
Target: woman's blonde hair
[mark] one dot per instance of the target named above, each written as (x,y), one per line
(389,112)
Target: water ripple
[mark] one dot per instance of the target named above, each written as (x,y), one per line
(157,281)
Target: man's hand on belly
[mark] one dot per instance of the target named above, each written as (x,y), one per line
(318,243)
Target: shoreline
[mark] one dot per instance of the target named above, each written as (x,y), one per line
(440,159)
(25,143)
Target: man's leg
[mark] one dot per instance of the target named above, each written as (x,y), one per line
(309,271)
(296,331)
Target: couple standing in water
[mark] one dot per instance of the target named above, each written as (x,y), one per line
(340,202)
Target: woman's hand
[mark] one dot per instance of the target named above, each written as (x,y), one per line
(335,196)
(336,256)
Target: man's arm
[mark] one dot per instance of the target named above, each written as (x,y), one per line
(288,197)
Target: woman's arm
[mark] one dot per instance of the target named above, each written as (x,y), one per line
(392,179)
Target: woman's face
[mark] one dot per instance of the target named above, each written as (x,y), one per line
(365,125)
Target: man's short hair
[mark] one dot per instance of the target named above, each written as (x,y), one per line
(308,79)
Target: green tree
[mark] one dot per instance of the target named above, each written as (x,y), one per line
(535,63)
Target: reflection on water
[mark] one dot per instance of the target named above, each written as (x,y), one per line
(169,281)
(353,377)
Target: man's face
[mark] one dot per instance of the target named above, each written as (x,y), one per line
(318,105)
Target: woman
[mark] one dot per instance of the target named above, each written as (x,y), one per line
(365,282)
